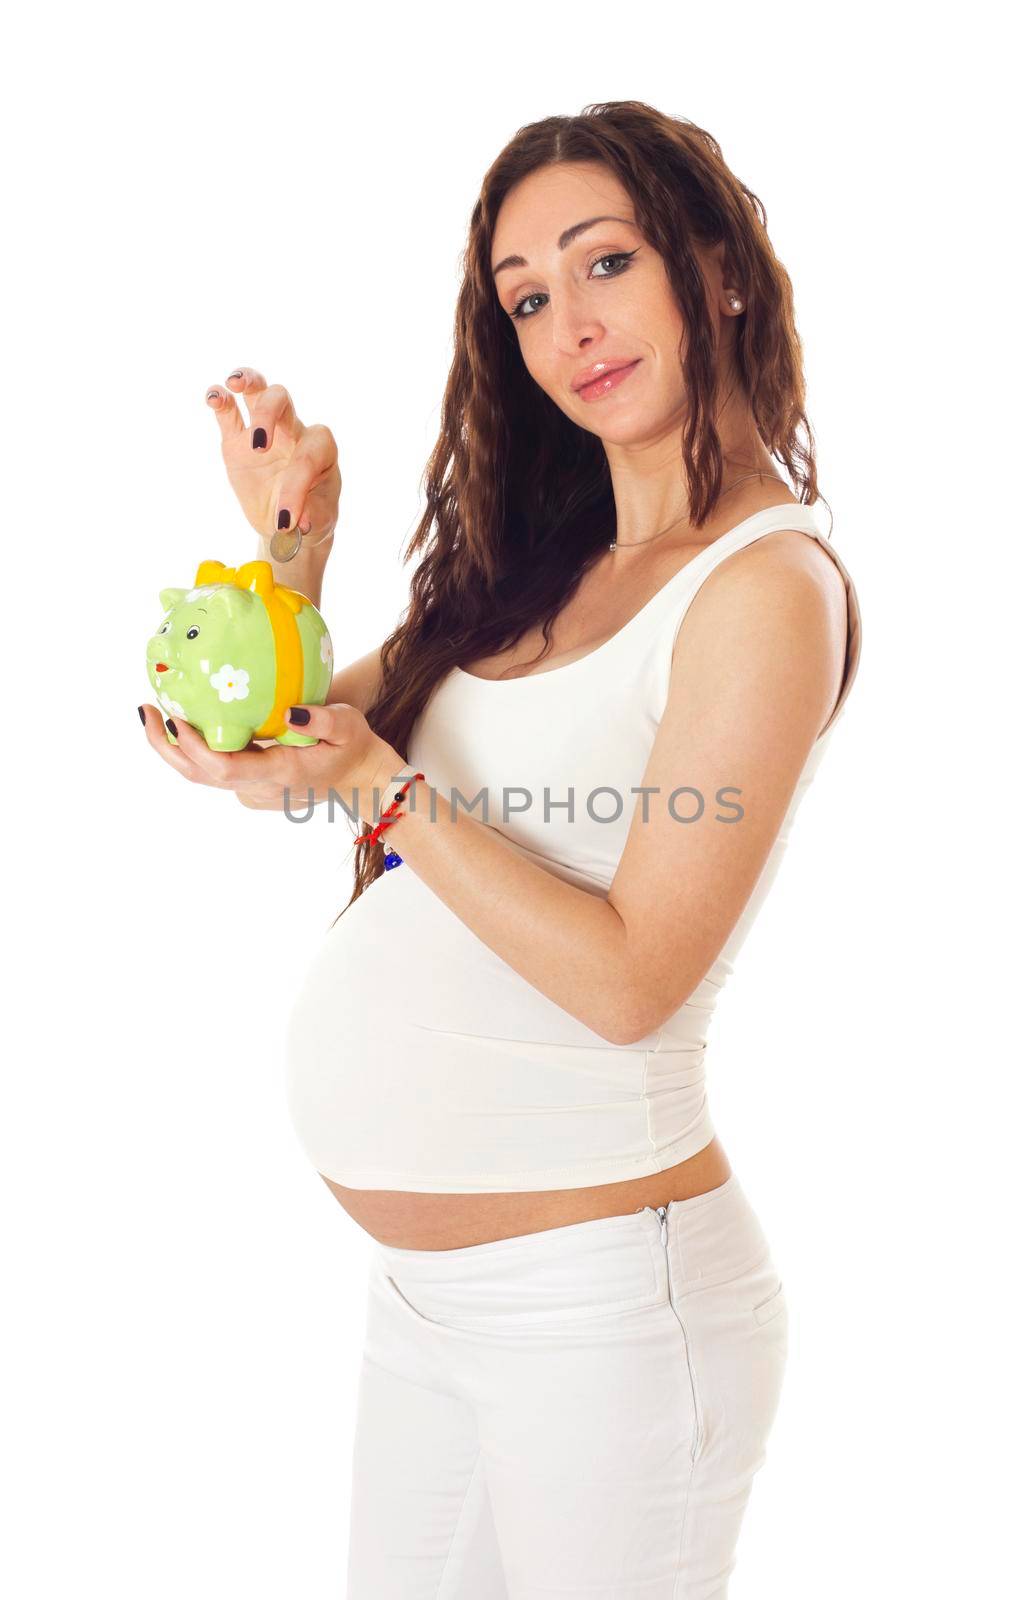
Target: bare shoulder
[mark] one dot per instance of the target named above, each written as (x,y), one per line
(786,571)
(780,558)
(778,605)
(757,664)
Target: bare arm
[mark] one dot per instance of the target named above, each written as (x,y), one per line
(357,684)
(756,669)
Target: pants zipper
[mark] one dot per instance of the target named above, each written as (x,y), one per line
(661,1213)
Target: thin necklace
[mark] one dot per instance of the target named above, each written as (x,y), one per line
(633,543)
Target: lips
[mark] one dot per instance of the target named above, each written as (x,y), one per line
(161,666)
(601,369)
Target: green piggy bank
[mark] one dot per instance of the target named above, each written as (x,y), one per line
(235,651)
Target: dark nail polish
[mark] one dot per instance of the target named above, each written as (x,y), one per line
(300,715)
(141,713)
(283,520)
(233,374)
(258,439)
(171,724)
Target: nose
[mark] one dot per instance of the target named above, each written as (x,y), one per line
(574,325)
(574,336)
(157,655)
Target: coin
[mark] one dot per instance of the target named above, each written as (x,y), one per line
(285,544)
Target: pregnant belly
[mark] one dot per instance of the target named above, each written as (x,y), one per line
(432,1090)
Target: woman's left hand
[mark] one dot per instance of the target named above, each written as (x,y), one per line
(349,760)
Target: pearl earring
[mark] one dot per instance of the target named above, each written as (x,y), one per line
(735,303)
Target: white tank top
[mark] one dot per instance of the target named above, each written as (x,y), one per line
(447,1071)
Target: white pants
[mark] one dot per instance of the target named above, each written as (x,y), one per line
(575,1412)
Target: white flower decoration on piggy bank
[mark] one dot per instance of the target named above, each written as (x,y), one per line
(230,683)
(230,615)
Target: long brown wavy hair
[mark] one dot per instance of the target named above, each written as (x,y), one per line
(519,500)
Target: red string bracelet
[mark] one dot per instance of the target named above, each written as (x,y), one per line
(391,859)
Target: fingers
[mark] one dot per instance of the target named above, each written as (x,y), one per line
(227,412)
(346,745)
(231,769)
(268,407)
(314,459)
(213,766)
(336,724)
(271,409)
(172,754)
(193,759)
(248,382)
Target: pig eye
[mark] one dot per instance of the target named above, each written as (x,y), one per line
(163,628)
(192,633)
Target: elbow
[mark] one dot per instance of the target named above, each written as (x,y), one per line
(637,1014)
(625,1017)
(634,1031)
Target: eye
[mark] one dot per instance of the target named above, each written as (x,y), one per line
(519,315)
(164,627)
(192,633)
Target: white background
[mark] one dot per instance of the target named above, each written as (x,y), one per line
(194,187)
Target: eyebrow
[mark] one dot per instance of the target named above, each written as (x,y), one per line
(567,237)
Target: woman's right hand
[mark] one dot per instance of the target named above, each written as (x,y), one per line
(296,473)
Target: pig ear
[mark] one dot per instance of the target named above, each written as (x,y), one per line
(228,598)
(168,598)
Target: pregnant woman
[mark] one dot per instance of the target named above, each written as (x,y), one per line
(627,645)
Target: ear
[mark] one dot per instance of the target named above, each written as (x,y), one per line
(168,598)
(233,602)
